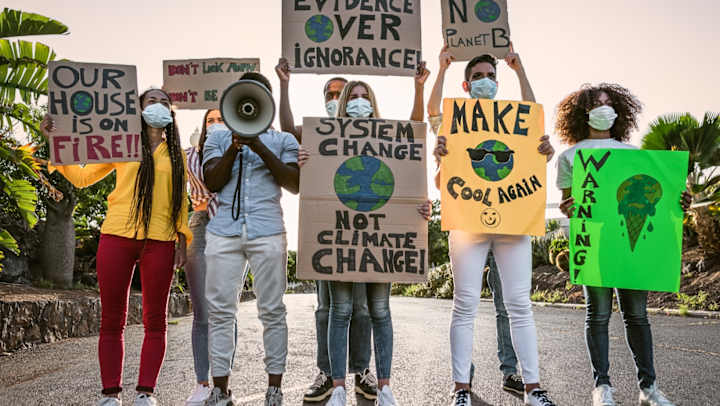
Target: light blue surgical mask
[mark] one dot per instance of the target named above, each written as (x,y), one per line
(359,108)
(331,107)
(484,88)
(602,118)
(157,115)
(217,127)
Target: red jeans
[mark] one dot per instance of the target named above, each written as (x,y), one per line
(116,259)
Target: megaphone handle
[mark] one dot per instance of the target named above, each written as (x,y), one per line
(236,195)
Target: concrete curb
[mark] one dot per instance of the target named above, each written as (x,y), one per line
(700,314)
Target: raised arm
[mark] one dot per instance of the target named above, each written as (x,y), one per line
(287,121)
(514,62)
(421,76)
(434,104)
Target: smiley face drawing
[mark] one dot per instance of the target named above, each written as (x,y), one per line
(490,217)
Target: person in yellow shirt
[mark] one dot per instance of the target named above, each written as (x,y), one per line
(146,222)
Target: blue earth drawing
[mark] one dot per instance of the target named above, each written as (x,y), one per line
(487,11)
(364,183)
(319,28)
(490,166)
(82,103)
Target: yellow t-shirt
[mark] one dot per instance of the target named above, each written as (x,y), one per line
(118,218)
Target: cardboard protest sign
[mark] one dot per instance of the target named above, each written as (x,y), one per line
(476,27)
(199,83)
(493,178)
(96,112)
(353,36)
(359,194)
(627,227)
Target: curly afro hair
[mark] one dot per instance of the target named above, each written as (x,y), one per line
(572,113)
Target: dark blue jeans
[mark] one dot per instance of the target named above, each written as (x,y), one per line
(505,352)
(341,309)
(360,329)
(633,307)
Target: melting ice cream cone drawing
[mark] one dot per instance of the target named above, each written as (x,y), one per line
(637,198)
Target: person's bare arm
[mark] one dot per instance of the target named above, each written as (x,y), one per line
(435,101)
(287,121)
(514,62)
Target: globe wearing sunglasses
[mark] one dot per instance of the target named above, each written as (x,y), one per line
(491,160)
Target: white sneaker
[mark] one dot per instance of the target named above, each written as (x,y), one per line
(538,397)
(143,399)
(462,398)
(217,398)
(653,397)
(338,397)
(109,401)
(198,396)
(273,396)
(603,396)
(385,397)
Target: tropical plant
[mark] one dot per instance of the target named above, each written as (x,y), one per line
(684,132)
(437,239)
(23,73)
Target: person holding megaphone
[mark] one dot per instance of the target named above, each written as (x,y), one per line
(247,165)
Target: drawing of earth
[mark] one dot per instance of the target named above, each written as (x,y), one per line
(364,183)
(82,103)
(489,167)
(319,28)
(487,11)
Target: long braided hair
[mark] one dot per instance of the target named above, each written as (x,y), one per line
(141,210)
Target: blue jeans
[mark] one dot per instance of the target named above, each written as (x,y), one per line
(341,309)
(505,352)
(633,306)
(360,329)
(195,271)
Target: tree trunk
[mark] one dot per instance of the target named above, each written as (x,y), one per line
(708,230)
(57,251)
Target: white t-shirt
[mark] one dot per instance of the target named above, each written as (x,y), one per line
(565,161)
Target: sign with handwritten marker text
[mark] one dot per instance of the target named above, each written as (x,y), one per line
(476,27)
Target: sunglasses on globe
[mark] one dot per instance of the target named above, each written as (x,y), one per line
(500,156)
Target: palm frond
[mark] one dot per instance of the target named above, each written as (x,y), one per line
(17,23)
(23,70)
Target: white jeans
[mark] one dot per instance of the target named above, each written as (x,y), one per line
(468,254)
(226,259)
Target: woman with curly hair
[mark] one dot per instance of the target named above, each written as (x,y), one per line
(602,117)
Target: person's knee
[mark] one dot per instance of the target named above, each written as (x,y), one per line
(341,311)
(465,306)
(156,321)
(379,310)
(597,317)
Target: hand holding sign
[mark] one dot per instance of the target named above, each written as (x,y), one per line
(513,59)
(446,58)
(283,70)
(421,74)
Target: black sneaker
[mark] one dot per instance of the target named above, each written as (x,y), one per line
(462,398)
(366,384)
(513,384)
(320,389)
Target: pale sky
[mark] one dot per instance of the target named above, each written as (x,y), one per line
(666,52)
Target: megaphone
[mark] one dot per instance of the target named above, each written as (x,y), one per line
(247,108)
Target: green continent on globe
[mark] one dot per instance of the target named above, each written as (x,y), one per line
(342,187)
(319,28)
(354,164)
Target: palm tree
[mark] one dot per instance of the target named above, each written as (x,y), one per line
(702,141)
(23,73)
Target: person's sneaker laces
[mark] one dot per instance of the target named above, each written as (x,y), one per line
(143,399)
(338,397)
(462,398)
(273,396)
(603,396)
(514,384)
(320,389)
(198,396)
(386,398)
(653,397)
(538,397)
(218,398)
(366,384)
(109,401)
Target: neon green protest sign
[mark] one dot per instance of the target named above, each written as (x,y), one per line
(627,227)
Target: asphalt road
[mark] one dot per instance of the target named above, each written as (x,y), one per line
(687,353)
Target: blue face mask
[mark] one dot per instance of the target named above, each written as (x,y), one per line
(217,127)
(484,88)
(331,107)
(157,115)
(359,108)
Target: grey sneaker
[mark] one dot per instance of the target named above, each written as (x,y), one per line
(143,399)
(217,398)
(653,397)
(109,401)
(273,396)
(603,396)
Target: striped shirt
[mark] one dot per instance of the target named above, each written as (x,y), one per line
(201,197)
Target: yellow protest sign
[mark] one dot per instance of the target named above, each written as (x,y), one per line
(493,179)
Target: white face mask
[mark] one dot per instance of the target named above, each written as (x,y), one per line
(331,107)
(484,88)
(157,115)
(217,127)
(602,118)
(359,108)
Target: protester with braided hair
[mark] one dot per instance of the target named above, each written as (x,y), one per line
(146,221)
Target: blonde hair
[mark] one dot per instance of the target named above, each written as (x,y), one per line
(345,98)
